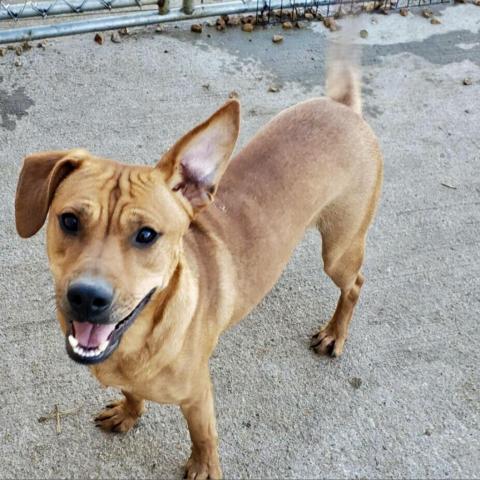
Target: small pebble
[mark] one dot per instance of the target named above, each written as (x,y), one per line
(277,39)
(467,81)
(355,382)
(2,52)
(287,25)
(404,12)
(123,32)
(427,13)
(273,88)
(233,94)
(18,62)
(250,19)
(115,38)
(363,33)
(330,24)
(368,7)
(300,25)
(309,16)
(196,28)
(18,50)
(435,21)
(247,27)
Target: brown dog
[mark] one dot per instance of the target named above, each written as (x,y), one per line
(147,279)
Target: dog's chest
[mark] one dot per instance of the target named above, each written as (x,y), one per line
(145,381)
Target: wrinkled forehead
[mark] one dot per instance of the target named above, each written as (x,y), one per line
(104,190)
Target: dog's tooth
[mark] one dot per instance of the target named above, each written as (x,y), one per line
(73,341)
(103,346)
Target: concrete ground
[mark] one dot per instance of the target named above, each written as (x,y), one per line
(403,401)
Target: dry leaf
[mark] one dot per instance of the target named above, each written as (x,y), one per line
(99,38)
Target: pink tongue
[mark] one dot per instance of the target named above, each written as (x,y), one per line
(91,335)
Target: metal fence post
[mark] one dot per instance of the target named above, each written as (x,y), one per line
(188,6)
(163,6)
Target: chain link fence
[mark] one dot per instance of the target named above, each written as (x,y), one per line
(54,18)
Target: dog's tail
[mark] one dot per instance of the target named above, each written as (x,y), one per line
(343,76)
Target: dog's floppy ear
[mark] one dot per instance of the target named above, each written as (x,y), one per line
(40,176)
(195,164)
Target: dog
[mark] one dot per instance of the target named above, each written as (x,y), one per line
(152,263)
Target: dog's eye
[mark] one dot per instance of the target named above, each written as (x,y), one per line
(69,222)
(145,236)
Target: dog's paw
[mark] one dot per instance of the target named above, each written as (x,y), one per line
(116,417)
(328,341)
(202,470)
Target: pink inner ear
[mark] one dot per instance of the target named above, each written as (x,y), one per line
(203,154)
(198,165)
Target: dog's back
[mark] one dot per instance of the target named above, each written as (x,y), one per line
(305,162)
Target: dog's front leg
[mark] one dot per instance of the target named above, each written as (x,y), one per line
(200,415)
(121,415)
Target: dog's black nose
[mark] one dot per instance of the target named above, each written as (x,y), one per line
(90,298)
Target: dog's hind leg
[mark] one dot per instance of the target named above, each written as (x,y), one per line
(121,415)
(345,273)
(343,227)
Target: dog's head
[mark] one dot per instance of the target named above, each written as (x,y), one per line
(114,232)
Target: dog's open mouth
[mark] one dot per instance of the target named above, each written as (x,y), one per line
(90,343)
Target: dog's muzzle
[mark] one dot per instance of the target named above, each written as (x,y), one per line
(92,342)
